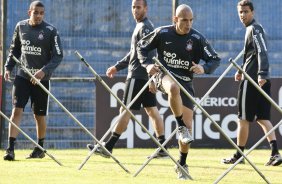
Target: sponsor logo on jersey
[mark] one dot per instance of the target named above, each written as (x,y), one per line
(50,27)
(33,70)
(41,35)
(57,45)
(164,31)
(196,36)
(262,41)
(257,43)
(168,43)
(173,61)
(30,49)
(207,51)
(189,45)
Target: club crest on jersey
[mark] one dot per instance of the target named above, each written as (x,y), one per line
(41,35)
(189,45)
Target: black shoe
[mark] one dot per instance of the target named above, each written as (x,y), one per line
(9,155)
(274,160)
(36,153)
(99,150)
(161,154)
(232,160)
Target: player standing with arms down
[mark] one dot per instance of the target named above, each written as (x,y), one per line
(38,46)
(137,77)
(252,104)
(180,48)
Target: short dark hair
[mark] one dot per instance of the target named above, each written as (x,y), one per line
(144,2)
(36,4)
(246,3)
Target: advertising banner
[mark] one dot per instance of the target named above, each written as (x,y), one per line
(221,105)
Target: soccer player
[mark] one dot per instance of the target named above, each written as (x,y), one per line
(137,77)
(37,44)
(252,105)
(180,48)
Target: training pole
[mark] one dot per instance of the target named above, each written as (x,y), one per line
(20,130)
(132,115)
(67,111)
(113,124)
(267,134)
(202,99)
(207,115)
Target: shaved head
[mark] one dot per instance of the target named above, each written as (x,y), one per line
(182,8)
(183,19)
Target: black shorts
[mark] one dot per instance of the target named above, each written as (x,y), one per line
(132,87)
(187,102)
(23,89)
(251,103)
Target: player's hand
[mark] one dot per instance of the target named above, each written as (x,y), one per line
(197,69)
(152,87)
(111,71)
(261,82)
(238,76)
(38,75)
(152,69)
(7,76)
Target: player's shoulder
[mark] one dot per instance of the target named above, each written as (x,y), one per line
(165,29)
(197,34)
(23,22)
(256,27)
(49,26)
(146,24)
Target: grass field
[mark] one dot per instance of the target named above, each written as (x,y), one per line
(204,167)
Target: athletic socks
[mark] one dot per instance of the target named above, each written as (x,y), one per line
(274,148)
(180,121)
(161,140)
(41,142)
(112,141)
(11,143)
(182,158)
(238,154)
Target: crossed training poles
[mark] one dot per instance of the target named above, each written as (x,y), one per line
(208,116)
(66,110)
(202,99)
(233,62)
(132,115)
(29,138)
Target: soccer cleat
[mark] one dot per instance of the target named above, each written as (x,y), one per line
(36,153)
(161,154)
(9,155)
(180,174)
(232,160)
(274,160)
(184,135)
(99,150)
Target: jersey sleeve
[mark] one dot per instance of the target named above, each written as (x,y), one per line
(15,49)
(210,57)
(261,50)
(124,62)
(56,54)
(146,46)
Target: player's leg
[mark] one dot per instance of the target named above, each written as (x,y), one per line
(120,127)
(20,96)
(175,102)
(247,108)
(263,119)
(184,148)
(39,103)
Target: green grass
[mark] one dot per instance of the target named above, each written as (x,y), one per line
(204,167)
